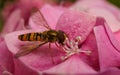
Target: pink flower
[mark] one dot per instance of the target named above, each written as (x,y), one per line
(96,37)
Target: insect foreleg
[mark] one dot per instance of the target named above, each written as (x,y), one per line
(51,53)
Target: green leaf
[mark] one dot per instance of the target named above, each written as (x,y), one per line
(115,2)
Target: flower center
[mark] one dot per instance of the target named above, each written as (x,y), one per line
(71,47)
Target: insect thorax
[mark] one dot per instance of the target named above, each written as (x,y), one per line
(51,35)
(55,36)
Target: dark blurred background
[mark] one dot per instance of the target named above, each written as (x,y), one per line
(4,2)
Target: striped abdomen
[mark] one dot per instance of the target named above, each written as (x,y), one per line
(32,37)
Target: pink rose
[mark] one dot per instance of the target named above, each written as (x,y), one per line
(96,37)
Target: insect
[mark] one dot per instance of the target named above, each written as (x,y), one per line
(48,36)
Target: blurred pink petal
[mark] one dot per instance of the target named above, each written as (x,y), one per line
(51,15)
(13,23)
(108,47)
(6,62)
(111,71)
(37,3)
(72,66)
(76,24)
(87,4)
(101,8)
(7,11)
(1,39)
(117,35)
(38,60)
(24,5)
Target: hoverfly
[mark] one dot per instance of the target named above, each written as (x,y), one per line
(48,36)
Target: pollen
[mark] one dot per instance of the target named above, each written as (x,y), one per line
(71,47)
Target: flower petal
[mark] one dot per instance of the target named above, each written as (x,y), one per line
(91,59)
(12,23)
(38,60)
(6,63)
(109,17)
(72,66)
(111,71)
(86,5)
(101,8)
(1,39)
(91,44)
(108,47)
(76,24)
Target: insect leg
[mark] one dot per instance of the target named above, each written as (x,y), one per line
(51,53)
(61,49)
(57,45)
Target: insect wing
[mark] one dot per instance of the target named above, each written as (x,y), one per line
(39,19)
(28,49)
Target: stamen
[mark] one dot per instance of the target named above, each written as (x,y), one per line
(71,48)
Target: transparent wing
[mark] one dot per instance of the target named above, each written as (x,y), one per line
(24,50)
(39,19)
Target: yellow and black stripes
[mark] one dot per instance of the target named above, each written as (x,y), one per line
(32,37)
(46,36)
